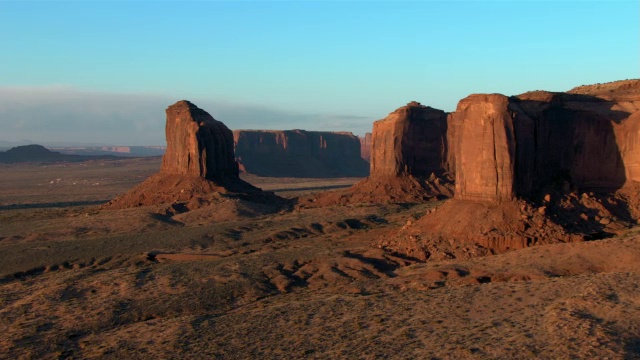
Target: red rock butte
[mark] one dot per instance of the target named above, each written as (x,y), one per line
(410,161)
(198,166)
(412,140)
(534,168)
(197,144)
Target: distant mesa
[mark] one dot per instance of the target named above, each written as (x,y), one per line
(365,146)
(31,151)
(38,153)
(411,141)
(198,168)
(120,151)
(299,153)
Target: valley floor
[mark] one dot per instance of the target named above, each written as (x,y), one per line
(79,282)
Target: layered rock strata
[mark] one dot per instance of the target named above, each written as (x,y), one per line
(365,146)
(198,168)
(535,168)
(412,140)
(197,144)
(409,161)
(299,153)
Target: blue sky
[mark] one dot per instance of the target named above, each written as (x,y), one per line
(311,64)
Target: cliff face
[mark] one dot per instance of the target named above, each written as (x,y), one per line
(299,153)
(524,145)
(537,168)
(410,141)
(198,166)
(409,161)
(365,146)
(485,148)
(197,144)
(574,143)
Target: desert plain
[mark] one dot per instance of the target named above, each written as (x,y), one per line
(79,282)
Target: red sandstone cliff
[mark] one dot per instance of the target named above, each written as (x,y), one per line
(197,144)
(299,153)
(198,166)
(412,140)
(409,161)
(365,146)
(535,168)
(485,148)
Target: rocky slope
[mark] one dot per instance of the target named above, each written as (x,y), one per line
(299,153)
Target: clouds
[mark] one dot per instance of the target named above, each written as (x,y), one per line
(59,113)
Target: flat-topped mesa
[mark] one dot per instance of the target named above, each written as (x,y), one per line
(523,145)
(197,144)
(299,153)
(412,140)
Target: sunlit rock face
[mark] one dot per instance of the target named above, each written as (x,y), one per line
(197,144)
(412,140)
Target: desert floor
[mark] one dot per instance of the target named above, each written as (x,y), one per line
(80,282)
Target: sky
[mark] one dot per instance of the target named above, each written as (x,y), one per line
(104,71)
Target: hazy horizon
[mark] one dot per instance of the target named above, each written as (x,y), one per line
(104,72)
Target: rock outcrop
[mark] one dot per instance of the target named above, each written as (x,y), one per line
(198,168)
(365,146)
(412,140)
(409,161)
(535,168)
(299,153)
(485,148)
(197,144)
(523,145)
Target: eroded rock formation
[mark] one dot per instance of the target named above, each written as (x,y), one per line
(299,153)
(485,148)
(198,167)
(197,144)
(365,146)
(523,145)
(412,140)
(535,168)
(409,161)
